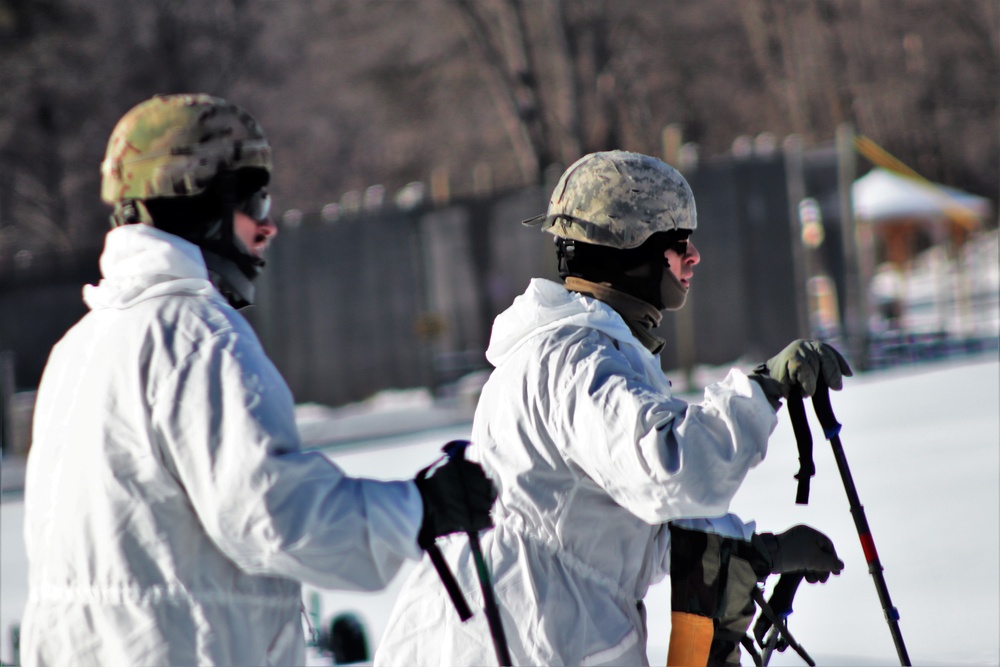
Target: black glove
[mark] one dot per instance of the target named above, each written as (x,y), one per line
(801,549)
(457,496)
(801,366)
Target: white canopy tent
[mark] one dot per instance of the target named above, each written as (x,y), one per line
(883,195)
(912,234)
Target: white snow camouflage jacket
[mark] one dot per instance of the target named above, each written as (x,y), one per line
(169,514)
(591,455)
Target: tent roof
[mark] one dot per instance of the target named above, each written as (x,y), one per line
(884,195)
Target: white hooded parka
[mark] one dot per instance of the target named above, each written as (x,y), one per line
(591,455)
(170,515)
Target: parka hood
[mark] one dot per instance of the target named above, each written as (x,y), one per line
(546,305)
(140,262)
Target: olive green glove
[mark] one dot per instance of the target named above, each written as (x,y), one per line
(801,366)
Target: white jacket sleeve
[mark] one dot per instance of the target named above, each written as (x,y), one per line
(656,455)
(224,419)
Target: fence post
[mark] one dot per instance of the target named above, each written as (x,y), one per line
(684,327)
(795,182)
(855,301)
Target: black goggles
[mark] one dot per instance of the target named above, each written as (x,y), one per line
(257,206)
(676,240)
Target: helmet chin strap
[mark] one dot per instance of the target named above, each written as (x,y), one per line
(232,267)
(130,212)
(673,294)
(231,281)
(208,221)
(642,272)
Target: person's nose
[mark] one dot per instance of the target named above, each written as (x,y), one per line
(267,228)
(692,256)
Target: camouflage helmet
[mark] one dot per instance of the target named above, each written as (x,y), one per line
(618,199)
(174,145)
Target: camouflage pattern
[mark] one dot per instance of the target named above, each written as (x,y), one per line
(173,145)
(618,199)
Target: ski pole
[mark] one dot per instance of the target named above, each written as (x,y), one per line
(490,604)
(831,429)
(777,619)
(769,645)
(444,572)
(781,606)
(457,449)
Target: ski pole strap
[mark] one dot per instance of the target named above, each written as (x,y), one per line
(803,438)
(450,585)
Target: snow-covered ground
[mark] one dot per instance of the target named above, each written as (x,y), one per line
(923,444)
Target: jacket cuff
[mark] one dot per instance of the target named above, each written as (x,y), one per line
(767,545)
(771,387)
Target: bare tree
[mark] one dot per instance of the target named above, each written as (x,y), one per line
(362,92)
(69,71)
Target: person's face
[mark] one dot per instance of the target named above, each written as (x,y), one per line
(682,261)
(255,235)
(252,222)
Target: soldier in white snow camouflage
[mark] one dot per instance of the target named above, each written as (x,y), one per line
(170,514)
(592,454)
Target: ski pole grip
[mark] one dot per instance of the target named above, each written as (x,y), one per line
(803,439)
(455,449)
(437,559)
(824,411)
(784,593)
